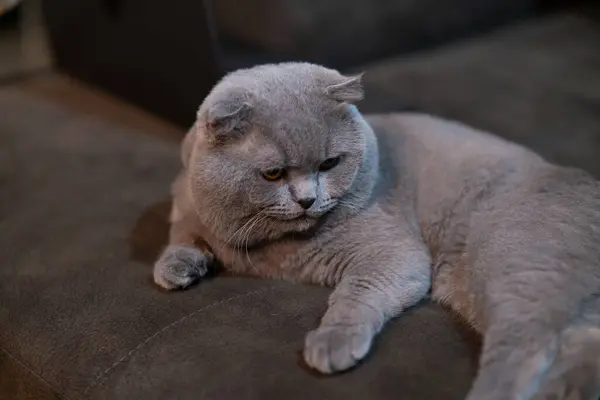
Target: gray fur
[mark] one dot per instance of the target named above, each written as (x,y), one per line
(417,205)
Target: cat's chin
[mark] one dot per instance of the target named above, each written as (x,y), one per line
(292,217)
(316,214)
(301,223)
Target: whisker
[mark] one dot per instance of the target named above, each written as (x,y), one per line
(242,227)
(238,234)
(248,232)
(351,206)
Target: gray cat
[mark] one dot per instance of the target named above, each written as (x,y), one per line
(284,178)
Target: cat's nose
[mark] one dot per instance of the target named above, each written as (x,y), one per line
(306,202)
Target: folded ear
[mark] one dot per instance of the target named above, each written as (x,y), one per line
(227,119)
(350,90)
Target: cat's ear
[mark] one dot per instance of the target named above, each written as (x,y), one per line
(226,120)
(350,90)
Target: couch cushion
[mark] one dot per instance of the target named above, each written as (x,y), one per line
(83,205)
(536,83)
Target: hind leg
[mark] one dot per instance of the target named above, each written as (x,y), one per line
(528,298)
(533,264)
(519,346)
(575,372)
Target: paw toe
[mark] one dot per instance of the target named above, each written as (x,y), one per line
(171,281)
(179,266)
(334,349)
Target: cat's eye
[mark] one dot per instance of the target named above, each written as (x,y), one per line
(329,163)
(273,174)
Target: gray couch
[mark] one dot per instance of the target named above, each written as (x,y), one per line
(83,205)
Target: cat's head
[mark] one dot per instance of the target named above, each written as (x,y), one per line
(274,149)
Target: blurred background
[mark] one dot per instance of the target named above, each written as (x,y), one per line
(487,62)
(525,69)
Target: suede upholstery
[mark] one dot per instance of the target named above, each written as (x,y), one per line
(84,185)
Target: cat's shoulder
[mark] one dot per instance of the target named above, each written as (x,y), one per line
(429,126)
(442,136)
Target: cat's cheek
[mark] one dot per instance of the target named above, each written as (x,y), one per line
(334,186)
(269,193)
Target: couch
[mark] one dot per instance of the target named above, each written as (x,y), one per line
(83,209)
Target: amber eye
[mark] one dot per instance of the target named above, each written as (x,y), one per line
(329,163)
(273,174)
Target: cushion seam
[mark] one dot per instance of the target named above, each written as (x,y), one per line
(32,372)
(103,376)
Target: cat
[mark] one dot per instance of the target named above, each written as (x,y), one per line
(284,178)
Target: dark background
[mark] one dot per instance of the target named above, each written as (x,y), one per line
(166,58)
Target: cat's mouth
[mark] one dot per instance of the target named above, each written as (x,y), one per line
(299,215)
(311,214)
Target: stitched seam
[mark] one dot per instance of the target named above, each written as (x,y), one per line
(103,376)
(32,372)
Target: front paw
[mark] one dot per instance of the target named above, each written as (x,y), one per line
(331,349)
(179,266)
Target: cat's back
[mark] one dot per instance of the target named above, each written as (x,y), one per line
(446,140)
(458,170)
(449,161)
